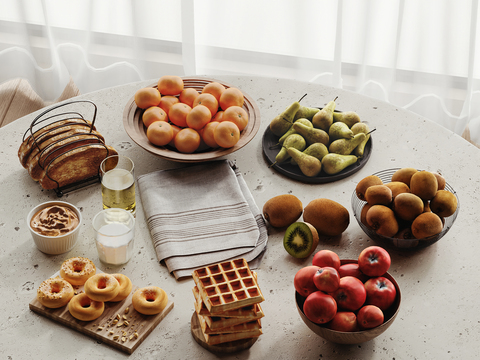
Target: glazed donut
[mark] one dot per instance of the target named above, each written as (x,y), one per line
(102,287)
(83,308)
(77,270)
(149,300)
(125,287)
(54,293)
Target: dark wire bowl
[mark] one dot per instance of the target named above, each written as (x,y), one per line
(400,243)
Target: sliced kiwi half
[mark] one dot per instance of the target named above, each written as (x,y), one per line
(300,239)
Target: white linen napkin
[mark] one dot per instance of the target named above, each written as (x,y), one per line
(201,215)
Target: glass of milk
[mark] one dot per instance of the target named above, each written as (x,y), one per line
(114,232)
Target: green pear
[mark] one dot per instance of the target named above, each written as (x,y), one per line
(357,129)
(339,130)
(311,135)
(306,112)
(296,141)
(324,118)
(309,165)
(334,163)
(317,150)
(348,117)
(291,131)
(346,146)
(283,122)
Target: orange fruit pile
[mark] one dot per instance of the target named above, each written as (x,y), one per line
(188,119)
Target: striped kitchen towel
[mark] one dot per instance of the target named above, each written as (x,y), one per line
(200,215)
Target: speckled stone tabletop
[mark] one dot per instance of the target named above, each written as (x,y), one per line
(438,319)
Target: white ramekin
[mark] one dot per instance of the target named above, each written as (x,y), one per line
(54,245)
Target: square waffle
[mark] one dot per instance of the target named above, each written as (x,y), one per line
(240,328)
(227,286)
(247,332)
(223,321)
(248,311)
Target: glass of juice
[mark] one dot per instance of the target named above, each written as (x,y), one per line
(118,183)
(114,233)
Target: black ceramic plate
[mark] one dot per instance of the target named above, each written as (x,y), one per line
(270,151)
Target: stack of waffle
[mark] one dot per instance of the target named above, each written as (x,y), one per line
(227,302)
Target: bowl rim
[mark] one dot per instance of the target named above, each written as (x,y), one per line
(43,205)
(381,328)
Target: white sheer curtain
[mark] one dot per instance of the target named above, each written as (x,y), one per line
(420,55)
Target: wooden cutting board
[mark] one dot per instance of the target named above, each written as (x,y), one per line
(120,325)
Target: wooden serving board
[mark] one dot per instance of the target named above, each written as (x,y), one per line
(125,336)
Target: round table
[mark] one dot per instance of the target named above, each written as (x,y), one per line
(440,287)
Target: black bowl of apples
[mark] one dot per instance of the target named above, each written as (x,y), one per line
(348,301)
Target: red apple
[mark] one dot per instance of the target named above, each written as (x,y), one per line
(319,307)
(374,261)
(352,269)
(303,280)
(326,279)
(369,316)
(324,258)
(380,292)
(344,321)
(351,294)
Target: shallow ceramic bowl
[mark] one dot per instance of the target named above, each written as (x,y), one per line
(400,243)
(54,245)
(132,122)
(354,337)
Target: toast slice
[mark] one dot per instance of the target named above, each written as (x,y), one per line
(37,163)
(47,132)
(74,166)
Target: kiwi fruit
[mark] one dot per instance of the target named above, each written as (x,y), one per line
(397,187)
(282,210)
(426,224)
(365,183)
(440,180)
(444,203)
(404,175)
(329,217)
(408,206)
(382,220)
(379,195)
(424,184)
(300,239)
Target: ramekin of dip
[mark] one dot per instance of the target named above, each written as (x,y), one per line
(54,226)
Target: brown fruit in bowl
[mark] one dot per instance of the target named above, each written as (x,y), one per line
(382,220)
(397,187)
(379,195)
(404,175)
(444,203)
(426,224)
(363,214)
(424,184)
(404,233)
(408,206)
(365,183)
(440,180)
(327,216)
(282,210)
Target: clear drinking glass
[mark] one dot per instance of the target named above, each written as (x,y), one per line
(114,234)
(118,183)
